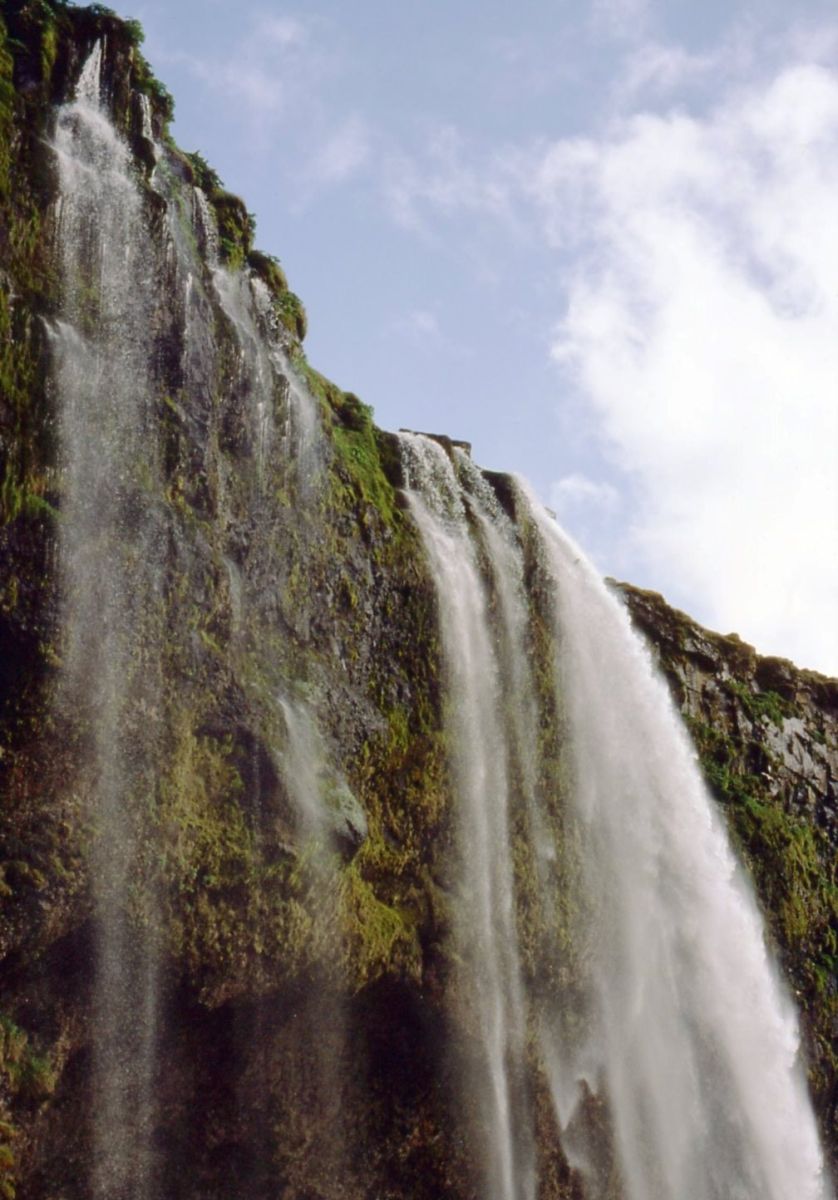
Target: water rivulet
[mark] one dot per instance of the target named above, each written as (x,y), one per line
(350,844)
(110,554)
(126,248)
(490,978)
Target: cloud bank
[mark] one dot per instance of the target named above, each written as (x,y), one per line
(701,330)
(698,258)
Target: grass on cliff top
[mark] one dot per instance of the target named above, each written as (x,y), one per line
(358,474)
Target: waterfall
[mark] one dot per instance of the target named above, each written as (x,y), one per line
(264,373)
(133,290)
(487,940)
(606,953)
(111,576)
(503,549)
(692,1038)
(683,1028)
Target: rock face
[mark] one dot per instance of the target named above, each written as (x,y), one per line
(278,734)
(767,736)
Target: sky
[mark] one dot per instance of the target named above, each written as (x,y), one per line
(597,240)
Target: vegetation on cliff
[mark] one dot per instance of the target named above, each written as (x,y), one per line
(767,737)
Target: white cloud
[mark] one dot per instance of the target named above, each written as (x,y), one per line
(448,179)
(343,153)
(577,490)
(282,31)
(700,328)
(698,253)
(621,18)
(658,69)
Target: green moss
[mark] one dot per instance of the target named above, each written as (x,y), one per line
(359,483)
(28,1075)
(8,1161)
(236,227)
(380,938)
(36,36)
(759,705)
(7,107)
(247,912)
(793,867)
(49,50)
(268,269)
(16,502)
(206,177)
(291,312)
(135,31)
(23,485)
(144,80)
(358,477)
(206,840)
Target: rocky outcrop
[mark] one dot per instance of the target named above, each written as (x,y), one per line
(767,736)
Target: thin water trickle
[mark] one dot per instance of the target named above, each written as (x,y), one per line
(111,583)
(304,768)
(205,225)
(145,120)
(486,933)
(264,374)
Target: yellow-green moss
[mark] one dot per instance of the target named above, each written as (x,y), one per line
(793,868)
(26,1075)
(235,228)
(380,939)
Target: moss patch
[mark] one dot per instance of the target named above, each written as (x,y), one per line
(792,863)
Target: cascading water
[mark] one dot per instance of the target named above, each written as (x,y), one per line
(116,272)
(264,372)
(685,1032)
(303,767)
(505,554)
(111,574)
(309,772)
(692,1038)
(487,939)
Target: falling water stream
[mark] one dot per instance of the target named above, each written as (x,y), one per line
(693,1039)
(487,940)
(687,1032)
(111,573)
(115,275)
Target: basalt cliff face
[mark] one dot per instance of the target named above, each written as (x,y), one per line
(766,735)
(231,960)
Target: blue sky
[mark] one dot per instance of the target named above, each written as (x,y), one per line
(600,241)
